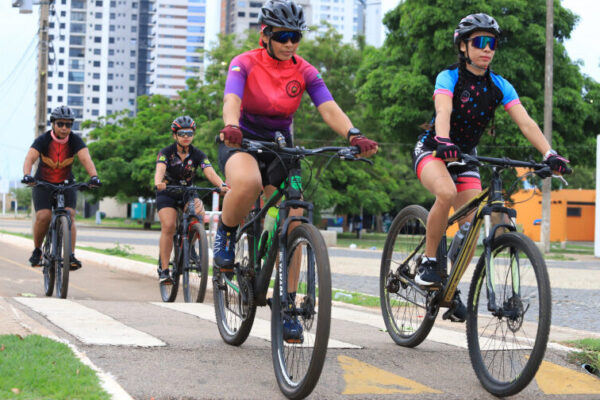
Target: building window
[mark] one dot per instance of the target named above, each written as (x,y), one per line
(59,99)
(241,14)
(573,211)
(109,88)
(97,52)
(131,89)
(132,77)
(97,39)
(98,15)
(60,86)
(96,63)
(96,88)
(98,3)
(95,113)
(61,62)
(95,100)
(96,75)
(109,100)
(132,53)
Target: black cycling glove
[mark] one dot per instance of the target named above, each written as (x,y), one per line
(95,181)
(446,149)
(556,162)
(28,179)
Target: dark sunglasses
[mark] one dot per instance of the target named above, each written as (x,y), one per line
(481,41)
(284,36)
(187,133)
(61,124)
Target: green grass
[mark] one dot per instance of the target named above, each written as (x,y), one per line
(589,352)
(122,251)
(118,223)
(25,235)
(34,367)
(367,241)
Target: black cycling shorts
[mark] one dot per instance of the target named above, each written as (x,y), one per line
(270,176)
(42,198)
(169,199)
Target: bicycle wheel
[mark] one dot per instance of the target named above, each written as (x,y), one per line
(195,265)
(298,365)
(506,349)
(233,295)
(169,292)
(62,260)
(48,267)
(403,305)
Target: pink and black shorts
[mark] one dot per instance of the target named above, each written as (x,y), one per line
(465,178)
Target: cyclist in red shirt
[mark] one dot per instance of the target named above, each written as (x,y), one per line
(263,91)
(56,150)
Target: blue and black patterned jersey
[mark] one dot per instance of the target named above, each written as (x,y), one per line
(474,106)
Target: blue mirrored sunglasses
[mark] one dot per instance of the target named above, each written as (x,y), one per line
(284,36)
(183,133)
(481,41)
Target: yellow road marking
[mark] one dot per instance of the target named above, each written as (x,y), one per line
(363,378)
(554,379)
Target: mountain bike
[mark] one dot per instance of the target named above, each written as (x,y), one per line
(56,250)
(302,268)
(509,303)
(190,249)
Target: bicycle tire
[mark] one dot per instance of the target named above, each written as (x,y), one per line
(519,354)
(168,293)
(62,261)
(295,378)
(234,318)
(404,312)
(195,265)
(48,267)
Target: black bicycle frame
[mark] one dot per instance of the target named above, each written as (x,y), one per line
(291,189)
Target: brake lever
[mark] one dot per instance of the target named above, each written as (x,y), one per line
(558,176)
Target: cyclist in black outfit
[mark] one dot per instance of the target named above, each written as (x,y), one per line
(176,165)
(56,150)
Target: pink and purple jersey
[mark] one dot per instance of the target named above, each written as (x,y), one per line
(271,90)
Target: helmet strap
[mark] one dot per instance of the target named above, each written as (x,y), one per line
(470,61)
(270,50)
(180,148)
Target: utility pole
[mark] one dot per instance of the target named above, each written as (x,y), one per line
(548,81)
(42,70)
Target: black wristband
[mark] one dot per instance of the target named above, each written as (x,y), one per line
(353,132)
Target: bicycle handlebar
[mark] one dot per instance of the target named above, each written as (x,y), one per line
(180,188)
(64,186)
(347,153)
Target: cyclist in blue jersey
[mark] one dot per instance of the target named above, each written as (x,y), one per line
(466,96)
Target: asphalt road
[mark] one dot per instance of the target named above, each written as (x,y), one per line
(194,363)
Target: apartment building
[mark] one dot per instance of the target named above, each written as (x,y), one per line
(103,54)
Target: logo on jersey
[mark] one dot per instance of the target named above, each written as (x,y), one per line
(293,88)
(162,158)
(465,96)
(236,68)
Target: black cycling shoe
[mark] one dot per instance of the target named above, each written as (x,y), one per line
(75,264)
(427,274)
(459,312)
(164,277)
(36,258)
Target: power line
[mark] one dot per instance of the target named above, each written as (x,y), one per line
(17,65)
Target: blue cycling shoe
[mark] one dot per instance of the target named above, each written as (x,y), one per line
(292,331)
(224,248)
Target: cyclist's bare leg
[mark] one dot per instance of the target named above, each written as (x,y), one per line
(168,217)
(73,229)
(243,176)
(436,178)
(294,268)
(40,227)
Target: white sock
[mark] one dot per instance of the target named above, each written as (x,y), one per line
(434,259)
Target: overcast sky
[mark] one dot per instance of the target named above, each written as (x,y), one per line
(18,42)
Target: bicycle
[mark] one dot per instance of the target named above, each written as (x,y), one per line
(190,249)
(509,303)
(298,362)
(56,250)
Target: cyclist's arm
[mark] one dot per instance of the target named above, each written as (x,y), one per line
(529,128)
(231,109)
(443,110)
(86,161)
(159,175)
(334,117)
(30,159)
(212,176)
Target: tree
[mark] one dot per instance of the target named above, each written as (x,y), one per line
(396,81)
(23,196)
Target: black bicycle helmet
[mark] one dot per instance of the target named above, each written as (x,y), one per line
(183,122)
(475,22)
(62,112)
(283,14)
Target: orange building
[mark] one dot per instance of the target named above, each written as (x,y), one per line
(572,214)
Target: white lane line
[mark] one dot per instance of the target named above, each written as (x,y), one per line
(260,329)
(88,325)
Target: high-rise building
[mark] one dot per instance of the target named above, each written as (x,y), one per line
(242,15)
(103,54)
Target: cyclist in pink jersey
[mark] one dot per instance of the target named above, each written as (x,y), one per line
(263,91)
